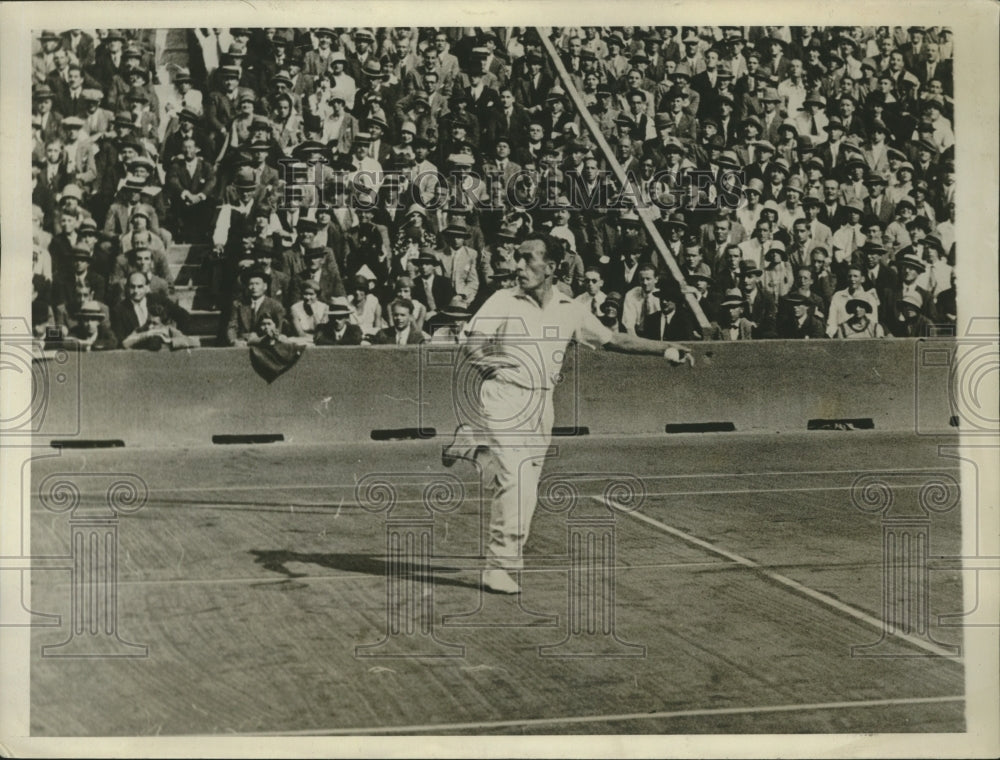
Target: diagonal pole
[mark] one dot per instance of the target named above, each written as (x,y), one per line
(609,156)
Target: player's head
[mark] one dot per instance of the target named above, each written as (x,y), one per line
(538,258)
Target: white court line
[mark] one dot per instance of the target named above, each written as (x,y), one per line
(784,580)
(348,575)
(612,718)
(596,476)
(201,504)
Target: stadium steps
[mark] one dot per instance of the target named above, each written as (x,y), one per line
(192,291)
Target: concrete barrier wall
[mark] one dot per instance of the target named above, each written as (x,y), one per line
(344,394)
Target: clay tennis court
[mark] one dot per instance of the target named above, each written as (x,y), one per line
(741,583)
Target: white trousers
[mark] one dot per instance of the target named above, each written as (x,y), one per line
(515,427)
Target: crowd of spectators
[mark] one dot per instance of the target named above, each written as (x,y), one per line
(370,185)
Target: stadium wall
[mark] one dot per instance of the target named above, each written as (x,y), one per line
(358,394)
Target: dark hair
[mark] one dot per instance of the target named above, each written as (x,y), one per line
(406,303)
(554,249)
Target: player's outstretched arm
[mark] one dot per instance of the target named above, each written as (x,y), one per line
(624,343)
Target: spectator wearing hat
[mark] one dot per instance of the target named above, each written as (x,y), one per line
(129,201)
(761,307)
(307,314)
(911,322)
(66,282)
(79,151)
(673,320)
(402,331)
(772,115)
(897,234)
(222,106)
(253,306)
(65,316)
(748,212)
(109,58)
(825,282)
(901,182)
(838,311)
(447,325)
(139,235)
(778,275)
(920,193)
(914,277)
(318,61)
(804,287)
(861,324)
(878,275)
(322,270)
(432,289)
(183,96)
(811,119)
(338,330)
(611,312)
(799,322)
(849,236)
(732,324)
(876,205)
(459,262)
(97,121)
(876,152)
(90,330)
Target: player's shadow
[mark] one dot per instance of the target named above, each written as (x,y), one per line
(368,564)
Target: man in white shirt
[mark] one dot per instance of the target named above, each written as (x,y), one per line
(594,294)
(854,289)
(510,422)
(640,302)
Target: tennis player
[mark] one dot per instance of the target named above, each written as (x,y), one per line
(516,343)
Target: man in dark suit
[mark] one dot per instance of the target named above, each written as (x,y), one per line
(55,174)
(141,320)
(403,332)
(190,185)
(509,120)
(79,44)
(321,268)
(877,206)
(762,310)
(248,310)
(337,330)
(879,277)
(66,284)
(531,90)
(221,106)
(432,290)
(832,213)
(672,322)
(800,322)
